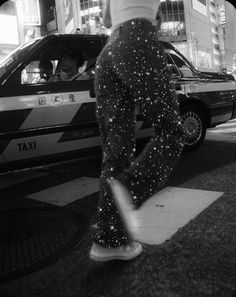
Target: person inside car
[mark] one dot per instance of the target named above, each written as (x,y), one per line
(68,66)
(45,71)
(87,70)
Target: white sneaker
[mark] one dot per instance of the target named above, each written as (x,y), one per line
(125,205)
(123,252)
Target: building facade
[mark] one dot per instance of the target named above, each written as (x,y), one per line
(8,40)
(229,30)
(79,16)
(203,30)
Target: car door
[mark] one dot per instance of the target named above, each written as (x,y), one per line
(48,118)
(215,91)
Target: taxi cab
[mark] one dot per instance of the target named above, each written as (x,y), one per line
(49,114)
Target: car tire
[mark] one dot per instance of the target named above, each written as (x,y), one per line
(194,125)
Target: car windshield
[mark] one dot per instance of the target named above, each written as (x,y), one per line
(19,52)
(184,66)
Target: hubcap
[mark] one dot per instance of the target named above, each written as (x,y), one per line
(192,126)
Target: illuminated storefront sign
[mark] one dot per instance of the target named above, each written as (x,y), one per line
(9,36)
(91,14)
(30,12)
(204,58)
(69,18)
(222,15)
(200,6)
(95,9)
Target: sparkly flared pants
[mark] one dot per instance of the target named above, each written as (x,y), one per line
(132,74)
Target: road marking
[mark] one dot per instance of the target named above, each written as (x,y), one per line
(68,192)
(172,208)
(227,127)
(11,179)
(159,218)
(223,130)
(229,123)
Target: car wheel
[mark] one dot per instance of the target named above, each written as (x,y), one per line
(194,125)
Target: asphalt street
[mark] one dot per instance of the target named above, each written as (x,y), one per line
(195,258)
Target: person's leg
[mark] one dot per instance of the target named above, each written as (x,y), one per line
(139,63)
(146,75)
(116,118)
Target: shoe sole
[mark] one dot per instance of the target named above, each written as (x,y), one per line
(115,257)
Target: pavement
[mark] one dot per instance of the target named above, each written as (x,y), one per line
(193,254)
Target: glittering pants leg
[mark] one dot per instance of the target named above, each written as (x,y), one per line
(132,73)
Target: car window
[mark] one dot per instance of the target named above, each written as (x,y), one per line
(66,62)
(171,66)
(47,71)
(87,71)
(182,65)
(38,71)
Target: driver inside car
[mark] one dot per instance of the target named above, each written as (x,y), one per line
(68,66)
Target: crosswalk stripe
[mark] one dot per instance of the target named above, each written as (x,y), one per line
(170,209)
(226,128)
(159,218)
(228,124)
(223,130)
(68,192)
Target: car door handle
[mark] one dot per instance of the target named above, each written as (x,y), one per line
(203,81)
(43,92)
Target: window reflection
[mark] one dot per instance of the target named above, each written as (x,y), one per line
(173,26)
(91,14)
(183,66)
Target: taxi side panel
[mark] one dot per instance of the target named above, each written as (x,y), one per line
(55,123)
(217,95)
(49,118)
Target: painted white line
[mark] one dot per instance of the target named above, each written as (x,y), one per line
(11,179)
(231,124)
(223,130)
(68,192)
(228,124)
(159,218)
(165,212)
(223,136)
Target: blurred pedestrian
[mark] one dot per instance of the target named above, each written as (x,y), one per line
(132,74)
